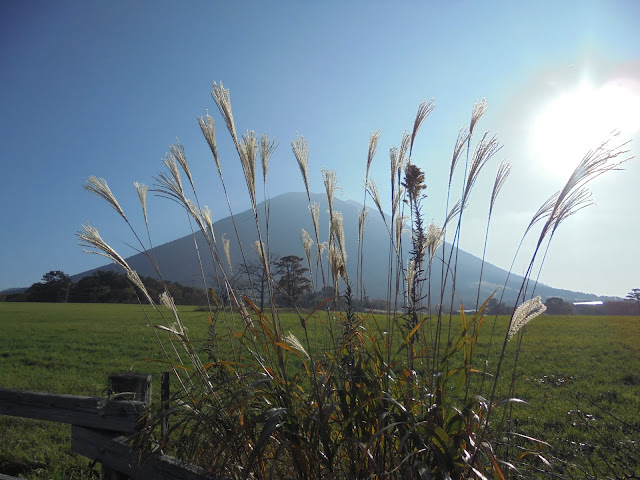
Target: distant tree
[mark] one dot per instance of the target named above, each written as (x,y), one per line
(557,306)
(3,297)
(293,283)
(634,296)
(54,287)
(253,279)
(494,307)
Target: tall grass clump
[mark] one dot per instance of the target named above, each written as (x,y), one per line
(348,394)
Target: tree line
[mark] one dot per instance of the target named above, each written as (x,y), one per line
(293,288)
(290,278)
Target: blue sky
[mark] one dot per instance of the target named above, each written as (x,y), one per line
(103,88)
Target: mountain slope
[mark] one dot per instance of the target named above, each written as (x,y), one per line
(289,213)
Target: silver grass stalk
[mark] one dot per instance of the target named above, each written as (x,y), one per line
(402,151)
(314,209)
(397,195)
(362,217)
(461,142)
(223,101)
(100,187)
(336,266)
(454,212)
(301,152)
(424,110)
(142,189)
(400,223)
(373,144)
(524,314)
(248,151)
(177,152)
(227,250)
(503,172)
(322,247)
(544,211)
(207,216)
(171,185)
(208,127)
(481,155)
(338,230)
(294,343)
(196,213)
(91,238)
(267,147)
(372,188)
(433,240)
(307,243)
(478,110)
(258,246)
(330,184)
(167,301)
(396,165)
(594,163)
(134,278)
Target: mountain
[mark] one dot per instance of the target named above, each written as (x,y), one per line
(289,213)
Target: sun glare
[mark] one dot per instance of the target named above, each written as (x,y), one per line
(579,120)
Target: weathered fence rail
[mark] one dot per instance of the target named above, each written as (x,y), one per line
(100,427)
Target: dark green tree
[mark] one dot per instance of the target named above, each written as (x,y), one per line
(55,287)
(557,306)
(634,296)
(293,283)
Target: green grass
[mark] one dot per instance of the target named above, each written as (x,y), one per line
(575,372)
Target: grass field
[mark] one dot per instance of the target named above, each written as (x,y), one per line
(579,374)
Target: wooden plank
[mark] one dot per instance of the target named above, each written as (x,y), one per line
(137,386)
(114,452)
(7,477)
(116,415)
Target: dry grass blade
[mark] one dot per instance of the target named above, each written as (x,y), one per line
(91,238)
(307,243)
(208,127)
(402,151)
(372,188)
(226,245)
(373,144)
(177,152)
(424,110)
(478,110)
(481,155)
(524,314)
(461,142)
(267,147)
(362,217)
(330,180)
(503,172)
(301,152)
(142,189)
(433,240)
(223,101)
(455,211)
(248,151)
(100,187)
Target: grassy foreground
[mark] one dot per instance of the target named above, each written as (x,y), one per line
(580,376)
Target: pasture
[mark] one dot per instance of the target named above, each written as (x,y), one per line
(579,374)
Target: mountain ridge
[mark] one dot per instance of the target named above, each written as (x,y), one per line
(289,213)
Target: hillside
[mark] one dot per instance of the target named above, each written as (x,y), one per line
(289,213)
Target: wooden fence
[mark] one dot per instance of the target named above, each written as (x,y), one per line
(100,427)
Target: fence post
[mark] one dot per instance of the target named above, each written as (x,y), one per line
(138,387)
(164,399)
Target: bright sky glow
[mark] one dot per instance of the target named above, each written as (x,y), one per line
(579,119)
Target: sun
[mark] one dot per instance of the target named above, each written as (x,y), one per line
(578,120)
